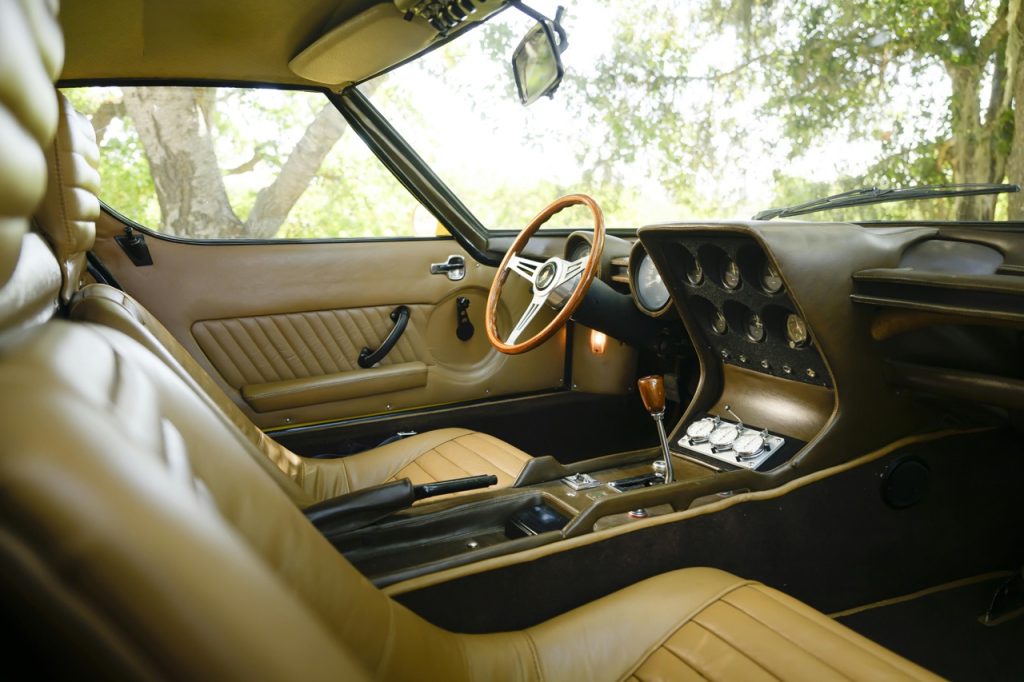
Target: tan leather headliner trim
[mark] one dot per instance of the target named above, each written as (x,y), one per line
(421,582)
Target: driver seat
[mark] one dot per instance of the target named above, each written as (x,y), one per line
(67,219)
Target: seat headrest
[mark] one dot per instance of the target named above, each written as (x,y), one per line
(68,214)
(31,57)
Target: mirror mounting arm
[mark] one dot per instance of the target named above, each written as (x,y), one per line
(556,24)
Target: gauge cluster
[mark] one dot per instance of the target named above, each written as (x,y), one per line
(738,299)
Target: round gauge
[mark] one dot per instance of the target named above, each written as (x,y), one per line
(755,328)
(748,445)
(695,273)
(724,435)
(771,281)
(650,289)
(579,250)
(730,274)
(796,331)
(718,322)
(699,431)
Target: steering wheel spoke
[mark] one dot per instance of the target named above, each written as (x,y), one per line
(573,269)
(524,267)
(531,312)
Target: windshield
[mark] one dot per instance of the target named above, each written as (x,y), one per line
(680,111)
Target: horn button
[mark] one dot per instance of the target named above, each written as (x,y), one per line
(546,275)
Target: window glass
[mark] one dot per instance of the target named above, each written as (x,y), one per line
(236,163)
(680,111)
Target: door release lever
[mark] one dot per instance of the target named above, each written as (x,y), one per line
(454,267)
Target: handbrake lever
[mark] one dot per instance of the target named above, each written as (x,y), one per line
(355,510)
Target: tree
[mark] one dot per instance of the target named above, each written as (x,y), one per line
(175,126)
(828,67)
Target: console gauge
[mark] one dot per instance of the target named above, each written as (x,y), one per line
(650,289)
(723,437)
(730,274)
(750,444)
(796,331)
(699,430)
(718,322)
(755,328)
(771,282)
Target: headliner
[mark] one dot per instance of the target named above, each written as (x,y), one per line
(229,40)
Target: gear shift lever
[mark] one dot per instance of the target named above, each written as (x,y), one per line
(652,392)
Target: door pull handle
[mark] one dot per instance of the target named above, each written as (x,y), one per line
(368,358)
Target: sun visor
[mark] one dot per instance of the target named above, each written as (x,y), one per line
(364,45)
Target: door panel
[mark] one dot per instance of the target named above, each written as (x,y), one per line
(283,323)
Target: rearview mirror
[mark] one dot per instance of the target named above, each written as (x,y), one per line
(536,63)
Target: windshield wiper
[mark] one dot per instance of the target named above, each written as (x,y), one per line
(874,195)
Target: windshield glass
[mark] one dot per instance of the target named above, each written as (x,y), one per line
(679,111)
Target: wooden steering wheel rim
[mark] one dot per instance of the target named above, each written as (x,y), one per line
(589,272)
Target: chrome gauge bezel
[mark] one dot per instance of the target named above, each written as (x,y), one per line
(732,275)
(637,256)
(771,280)
(793,338)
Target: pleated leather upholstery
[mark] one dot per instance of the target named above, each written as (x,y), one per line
(255,350)
(757,633)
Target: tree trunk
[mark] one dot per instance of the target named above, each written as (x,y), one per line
(1015,90)
(182,162)
(972,149)
(174,126)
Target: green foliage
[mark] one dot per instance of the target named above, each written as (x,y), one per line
(665,120)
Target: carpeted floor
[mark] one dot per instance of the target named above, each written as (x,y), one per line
(941,632)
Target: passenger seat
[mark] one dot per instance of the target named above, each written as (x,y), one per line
(68,220)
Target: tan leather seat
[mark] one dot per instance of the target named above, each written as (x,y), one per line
(68,217)
(142,537)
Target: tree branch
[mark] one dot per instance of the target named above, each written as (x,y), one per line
(106,113)
(995,34)
(258,154)
(275,202)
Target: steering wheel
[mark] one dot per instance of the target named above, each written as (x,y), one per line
(556,281)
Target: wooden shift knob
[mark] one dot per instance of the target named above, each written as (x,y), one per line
(652,392)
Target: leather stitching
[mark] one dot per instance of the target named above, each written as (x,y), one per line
(683,621)
(671,652)
(695,623)
(760,623)
(813,624)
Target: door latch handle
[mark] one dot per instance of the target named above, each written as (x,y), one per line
(454,267)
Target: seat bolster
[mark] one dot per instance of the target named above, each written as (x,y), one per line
(702,623)
(104,305)
(609,637)
(434,456)
(31,56)
(71,208)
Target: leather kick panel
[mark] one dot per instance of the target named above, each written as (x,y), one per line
(270,348)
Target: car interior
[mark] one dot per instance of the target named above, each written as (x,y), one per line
(761,449)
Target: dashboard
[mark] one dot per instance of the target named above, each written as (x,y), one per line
(736,298)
